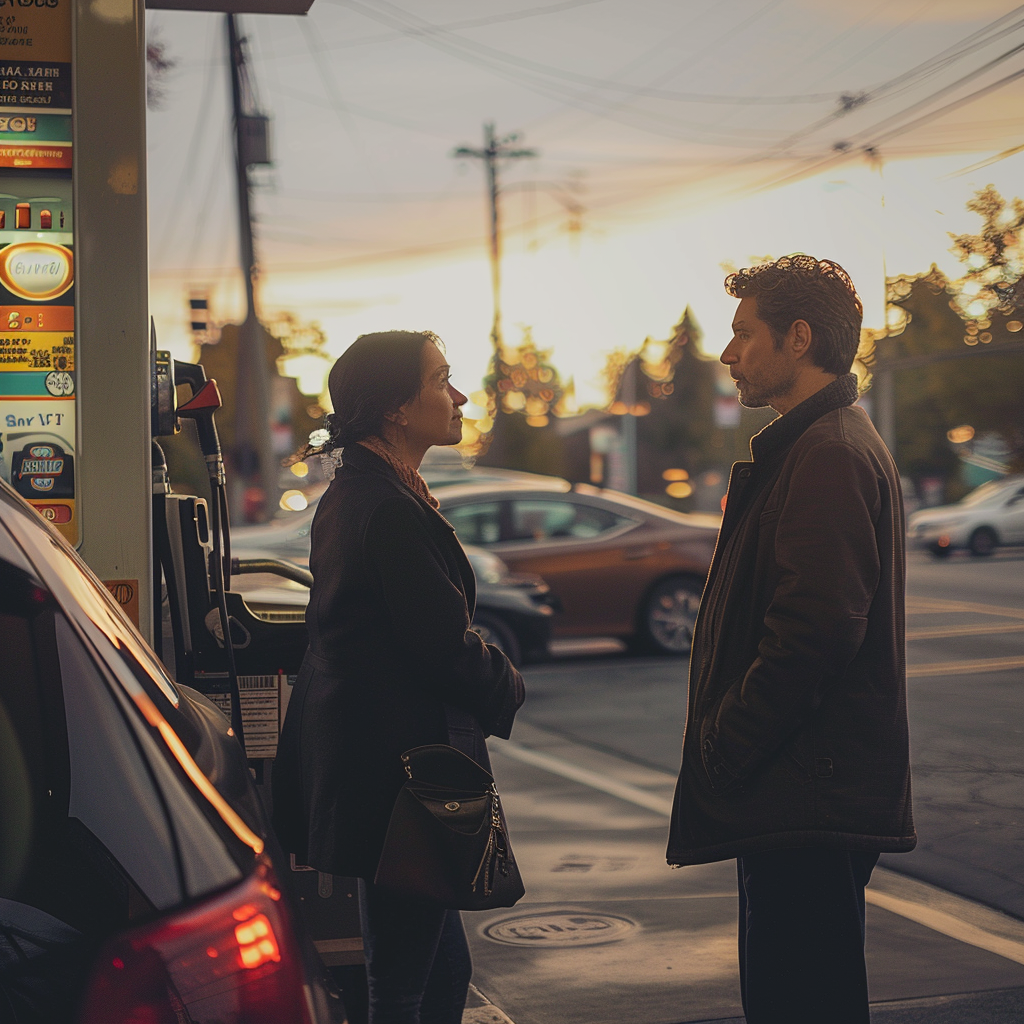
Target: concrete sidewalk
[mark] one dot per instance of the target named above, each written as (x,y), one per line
(608,933)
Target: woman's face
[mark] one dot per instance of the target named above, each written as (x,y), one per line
(433,416)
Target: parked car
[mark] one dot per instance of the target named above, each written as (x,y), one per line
(990,516)
(619,566)
(138,877)
(513,611)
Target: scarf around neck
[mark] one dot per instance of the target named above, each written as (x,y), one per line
(409,476)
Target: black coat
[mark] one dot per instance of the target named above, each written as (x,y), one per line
(392,664)
(796,731)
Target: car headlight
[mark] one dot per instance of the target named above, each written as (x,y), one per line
(488,568)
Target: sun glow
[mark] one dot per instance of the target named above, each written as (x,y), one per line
(621,280)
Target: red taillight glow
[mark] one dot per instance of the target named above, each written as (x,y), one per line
(943,541)
(257,943)
(232,959)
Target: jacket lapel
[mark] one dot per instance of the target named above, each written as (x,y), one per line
(460,570)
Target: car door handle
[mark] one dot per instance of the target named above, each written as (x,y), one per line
(631,554)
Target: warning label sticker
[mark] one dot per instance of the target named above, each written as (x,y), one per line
(37,350)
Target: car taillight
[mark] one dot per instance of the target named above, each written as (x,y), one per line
(232,959)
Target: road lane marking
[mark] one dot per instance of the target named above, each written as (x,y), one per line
(928,605)
(941,632)
(993,940)
(948,924)
(966,668)
(595,780)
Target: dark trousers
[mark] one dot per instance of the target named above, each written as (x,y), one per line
(417,959)
(802,936)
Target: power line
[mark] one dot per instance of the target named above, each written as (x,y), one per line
(188,173)
(877,139)
(435,35)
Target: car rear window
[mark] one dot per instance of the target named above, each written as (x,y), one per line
(476,524)
(63,884)
(95,601)
(542,519)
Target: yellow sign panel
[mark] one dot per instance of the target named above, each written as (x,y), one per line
(36,31)
(37,350)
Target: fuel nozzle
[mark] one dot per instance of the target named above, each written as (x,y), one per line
(200,408)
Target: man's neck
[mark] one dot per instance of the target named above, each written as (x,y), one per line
(808,383)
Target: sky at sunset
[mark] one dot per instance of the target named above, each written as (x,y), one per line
(688,135)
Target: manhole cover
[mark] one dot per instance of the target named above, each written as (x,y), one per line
(560,928)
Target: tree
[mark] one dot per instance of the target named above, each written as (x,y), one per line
(671,385)
(981,391)
(522,394)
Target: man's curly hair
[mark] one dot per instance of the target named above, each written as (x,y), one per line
(800,287)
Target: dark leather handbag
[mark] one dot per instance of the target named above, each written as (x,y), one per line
(447,841)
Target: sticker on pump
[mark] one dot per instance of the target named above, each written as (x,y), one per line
(43,471)
(37,350)
(38,271)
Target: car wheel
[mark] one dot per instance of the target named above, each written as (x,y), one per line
(668,616)
(983,541)
(493,630)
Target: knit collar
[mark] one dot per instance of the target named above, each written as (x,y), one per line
(782,432)
(409,476)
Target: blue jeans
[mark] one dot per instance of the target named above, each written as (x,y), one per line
(417,959)
(802,936)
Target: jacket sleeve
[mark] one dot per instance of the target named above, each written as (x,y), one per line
(431,621)
(826,553)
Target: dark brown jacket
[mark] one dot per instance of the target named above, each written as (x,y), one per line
(796,731)
(392,664)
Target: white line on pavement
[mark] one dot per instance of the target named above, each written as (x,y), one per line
(555,765)
(944,632)
(965,668)
(941,921)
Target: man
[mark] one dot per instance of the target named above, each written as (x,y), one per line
(796,754)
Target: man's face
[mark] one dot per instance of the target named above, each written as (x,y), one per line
(764,374)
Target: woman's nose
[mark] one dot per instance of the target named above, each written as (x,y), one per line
(458,398)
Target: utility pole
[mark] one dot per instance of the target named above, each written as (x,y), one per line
(495,149)
(252,458)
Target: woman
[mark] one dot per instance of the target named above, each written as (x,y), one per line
(392,663)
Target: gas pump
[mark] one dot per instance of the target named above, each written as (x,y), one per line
(245,663)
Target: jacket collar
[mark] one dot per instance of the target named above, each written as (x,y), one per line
(360,457)
(782,432)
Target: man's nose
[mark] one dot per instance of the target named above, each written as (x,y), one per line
(729,356)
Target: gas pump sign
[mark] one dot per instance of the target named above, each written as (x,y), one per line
(38,414)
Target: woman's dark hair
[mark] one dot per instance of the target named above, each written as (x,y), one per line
(376,375)
(801,287)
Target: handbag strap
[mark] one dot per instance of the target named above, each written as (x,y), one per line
(443,765)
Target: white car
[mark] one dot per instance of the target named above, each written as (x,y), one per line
(991,515)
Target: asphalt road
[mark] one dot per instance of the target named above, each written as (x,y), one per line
(607,933)
(965,655)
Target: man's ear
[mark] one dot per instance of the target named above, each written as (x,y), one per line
(798,338)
